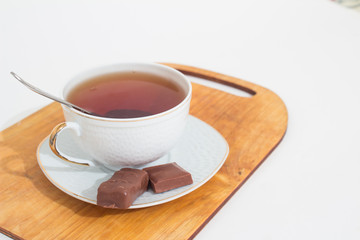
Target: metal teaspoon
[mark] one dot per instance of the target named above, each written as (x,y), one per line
(45,94)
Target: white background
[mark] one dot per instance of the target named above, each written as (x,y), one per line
(307,51)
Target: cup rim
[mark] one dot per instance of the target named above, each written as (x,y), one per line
(137,119)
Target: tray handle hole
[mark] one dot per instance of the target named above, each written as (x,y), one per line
(227,87)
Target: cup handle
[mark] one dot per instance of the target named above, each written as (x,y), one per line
(53,137)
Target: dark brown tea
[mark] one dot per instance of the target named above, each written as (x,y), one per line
(126,95)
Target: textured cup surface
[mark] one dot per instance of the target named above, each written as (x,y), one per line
(117,143)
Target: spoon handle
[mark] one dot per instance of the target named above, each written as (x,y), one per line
(45,94)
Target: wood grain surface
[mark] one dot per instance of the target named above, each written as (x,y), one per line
(32,208)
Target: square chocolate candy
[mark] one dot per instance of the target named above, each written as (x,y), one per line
(121,190)
(167,176)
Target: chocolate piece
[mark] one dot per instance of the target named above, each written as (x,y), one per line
(121,190)
(168,176)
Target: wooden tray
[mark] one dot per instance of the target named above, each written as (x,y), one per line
(32,208)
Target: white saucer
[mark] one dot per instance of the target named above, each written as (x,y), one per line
(201,151)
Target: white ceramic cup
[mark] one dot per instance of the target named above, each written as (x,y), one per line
(116,143)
